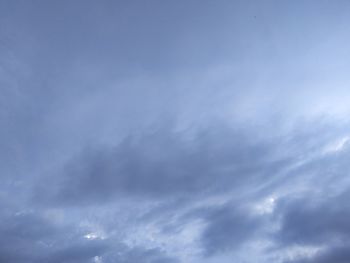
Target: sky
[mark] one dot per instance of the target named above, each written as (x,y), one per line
(162,131)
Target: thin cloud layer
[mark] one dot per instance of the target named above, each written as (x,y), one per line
(169,132)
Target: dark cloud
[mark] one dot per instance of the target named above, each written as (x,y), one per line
(137,253)
(315,224)
(33,237)
(166,164)
(178,169)
(228,228)
(30,237)
(81,252)
(318,221)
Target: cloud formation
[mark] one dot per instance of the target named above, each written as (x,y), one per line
(169,132)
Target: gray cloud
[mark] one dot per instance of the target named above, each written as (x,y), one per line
(308,223)
(317,220)
(228,229)
(33,237)
(166,164)
(30,237)
(183,131)
(334,254)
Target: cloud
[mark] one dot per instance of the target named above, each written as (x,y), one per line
(229,228)
(174,131)
(316,220)
(164,164)
(30,236)
(335,254)
(317,224)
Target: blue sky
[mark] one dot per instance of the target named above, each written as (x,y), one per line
(174,131)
